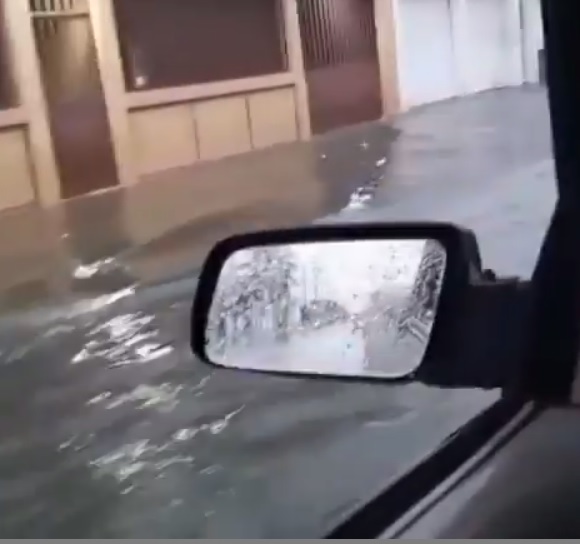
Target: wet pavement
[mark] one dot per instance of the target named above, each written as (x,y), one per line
(483,162)
(110,427)
(170,220)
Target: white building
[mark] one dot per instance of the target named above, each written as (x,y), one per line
(449,48)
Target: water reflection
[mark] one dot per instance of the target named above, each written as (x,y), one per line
(131,459)
(162,397)
(171,449)
(124,340)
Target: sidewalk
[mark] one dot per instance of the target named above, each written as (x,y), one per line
(97,244)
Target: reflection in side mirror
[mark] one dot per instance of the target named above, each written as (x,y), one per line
(361,308)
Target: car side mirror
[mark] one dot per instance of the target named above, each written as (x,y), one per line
(365,301)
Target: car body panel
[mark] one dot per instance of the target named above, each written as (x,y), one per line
(529,489)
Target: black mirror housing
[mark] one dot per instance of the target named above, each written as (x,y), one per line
(445,356)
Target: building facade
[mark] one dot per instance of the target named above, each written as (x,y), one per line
(450,48)
(96,94)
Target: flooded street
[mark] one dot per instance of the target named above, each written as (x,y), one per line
(110,428)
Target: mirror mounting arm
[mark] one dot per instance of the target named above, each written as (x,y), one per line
(485,347)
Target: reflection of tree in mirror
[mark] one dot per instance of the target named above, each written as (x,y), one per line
(402,313)
(418,313)
(254,293)
(425,293)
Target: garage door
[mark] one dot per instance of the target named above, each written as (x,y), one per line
(425,52)
(488,64)
(533,40)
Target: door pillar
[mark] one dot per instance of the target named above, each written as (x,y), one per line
(296,65)
(113,82)
(22,44)
(386,32)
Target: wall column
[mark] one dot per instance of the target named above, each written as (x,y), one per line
(459,17)
(113,81)
(533,39)
(386,29)
(22,45)
(296,65)
(512,15)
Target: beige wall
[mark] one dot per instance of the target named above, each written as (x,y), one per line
(173,135)
(16,165)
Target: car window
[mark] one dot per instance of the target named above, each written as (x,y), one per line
(136,134)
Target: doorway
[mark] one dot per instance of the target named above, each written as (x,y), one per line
(74,96)
(341,62)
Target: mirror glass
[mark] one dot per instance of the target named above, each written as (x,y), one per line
(354,308)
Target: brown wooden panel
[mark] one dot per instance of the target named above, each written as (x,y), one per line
(42,6)
(341,62)
(8,87)
(168,43)
(76,105)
